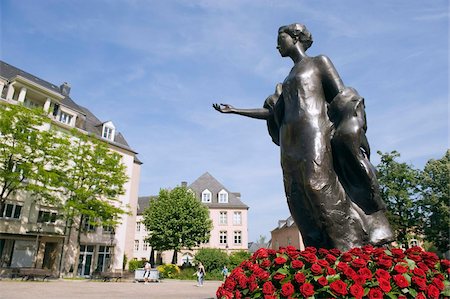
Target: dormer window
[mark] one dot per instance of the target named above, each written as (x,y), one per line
(223,196)
(65,118)
(206,195)
(108,131)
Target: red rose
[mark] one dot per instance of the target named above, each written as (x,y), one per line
(237,295)
(401,281)
(398,253)
(438,283)
(322,281)
(350,273)
(346,257)
(385,263)
(365,272)
(330,258)
(280,260)
(339,287)
(359,263)
(311,249)
(310,257)
(342,266)
(229,284)
(316,269)
(261,253)
(421,296)
(359,279)
(252,286)
(331,271)
(323,251)
(433,291)
(268,288)
(263,275)
(336,252)
(323,263)
(357,291)
(420,282)
(279,276)
(423,266)
(307,290)
(296,264)
(287,289)
(385,286)
(419,272)
(300,278)
(382,274)
(401,297)
(400,269)
(242,282)
(375,293)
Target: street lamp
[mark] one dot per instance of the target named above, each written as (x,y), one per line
(38,230)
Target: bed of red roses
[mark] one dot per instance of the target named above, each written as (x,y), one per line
(366,272)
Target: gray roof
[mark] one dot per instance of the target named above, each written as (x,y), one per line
(91,124)
(207,181)
(143,203)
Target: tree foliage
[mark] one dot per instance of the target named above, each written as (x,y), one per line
(175,220)
(399,188)
(211,258)
(30,158)
(237,257)
(93,181)
(435,182)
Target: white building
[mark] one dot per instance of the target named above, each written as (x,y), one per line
(32,235)
(226,210)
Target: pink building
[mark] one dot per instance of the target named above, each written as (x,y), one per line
(226,210)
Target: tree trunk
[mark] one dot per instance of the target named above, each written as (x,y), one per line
(152,257)
(175,257)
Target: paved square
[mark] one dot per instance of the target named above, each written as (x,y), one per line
(75,289)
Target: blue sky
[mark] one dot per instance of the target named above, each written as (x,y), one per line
(155,67)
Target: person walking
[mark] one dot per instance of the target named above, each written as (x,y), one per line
(200,274)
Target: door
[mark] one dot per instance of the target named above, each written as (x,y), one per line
(85,260)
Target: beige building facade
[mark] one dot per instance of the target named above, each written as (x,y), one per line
(33,234)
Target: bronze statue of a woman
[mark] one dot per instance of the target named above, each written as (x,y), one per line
(320,126)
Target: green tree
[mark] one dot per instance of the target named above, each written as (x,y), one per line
(435,201)
(211,258)
(236,258)
(399,189)
(31,159)
(92,183)
(175,220)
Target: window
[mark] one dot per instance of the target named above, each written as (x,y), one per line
(145,246)
(206,196)
(11,211)
(237,218)
(223,237)
(136,245)
(223,196)
(138,226)
(87,225)
(47,217)
(108,229)
(223,218)
(30,104)
(103,260)
(65,118)
(108,133)
(238,237)
(289,241)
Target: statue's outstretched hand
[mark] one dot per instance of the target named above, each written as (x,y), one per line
(224,108)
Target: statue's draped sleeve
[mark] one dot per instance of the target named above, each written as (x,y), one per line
(275,104)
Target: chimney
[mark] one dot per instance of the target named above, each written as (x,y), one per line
(65,89)
(184,184)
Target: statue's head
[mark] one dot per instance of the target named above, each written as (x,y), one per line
(298,32)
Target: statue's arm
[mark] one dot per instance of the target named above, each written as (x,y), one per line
(258,113)
(332,82)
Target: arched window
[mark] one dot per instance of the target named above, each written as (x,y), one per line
(223,196)
(206,195)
